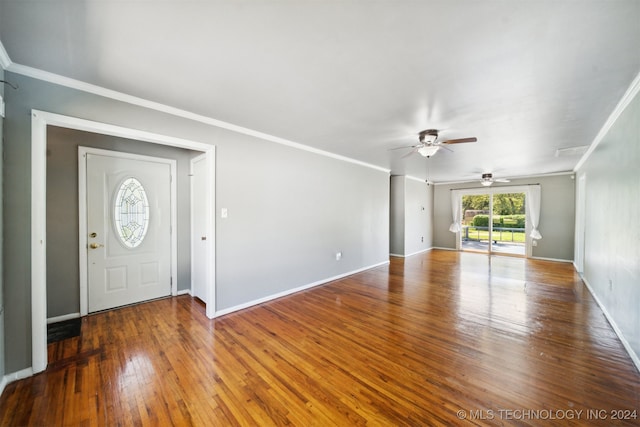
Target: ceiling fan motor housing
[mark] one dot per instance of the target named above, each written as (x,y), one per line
(429,132)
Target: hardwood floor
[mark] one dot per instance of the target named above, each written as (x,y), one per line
(441,338)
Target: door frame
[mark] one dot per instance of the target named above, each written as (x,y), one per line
(82,212)
(491,191)
(39,122)
(581,220)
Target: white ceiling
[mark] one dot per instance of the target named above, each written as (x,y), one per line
(357,78)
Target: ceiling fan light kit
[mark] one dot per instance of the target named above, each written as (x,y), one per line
(428,150)
(488,179)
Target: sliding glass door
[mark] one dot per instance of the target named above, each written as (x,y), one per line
(508,219)
(475,222)
(493,222)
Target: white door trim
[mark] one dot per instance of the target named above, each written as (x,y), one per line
(581,217)
(82,212)
(39,122)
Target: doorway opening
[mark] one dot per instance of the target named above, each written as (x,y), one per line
(39,122)
(494,223)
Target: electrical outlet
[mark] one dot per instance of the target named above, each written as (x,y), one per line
(338,256)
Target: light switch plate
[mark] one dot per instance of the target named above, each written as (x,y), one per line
(224,213)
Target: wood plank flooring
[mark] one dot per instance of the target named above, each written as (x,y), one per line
(441,338)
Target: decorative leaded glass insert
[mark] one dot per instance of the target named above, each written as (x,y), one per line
(131,213)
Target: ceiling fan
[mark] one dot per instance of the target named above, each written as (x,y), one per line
(488,179)
(429,144)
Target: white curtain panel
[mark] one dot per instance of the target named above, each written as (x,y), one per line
(456,207)
(533,210)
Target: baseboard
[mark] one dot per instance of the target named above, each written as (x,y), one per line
(184,292)
(419,252)
(62,318)
(9,378)
(575,267)
(533,257)
(411,254)
(552,259)
(625,343)
(293,291)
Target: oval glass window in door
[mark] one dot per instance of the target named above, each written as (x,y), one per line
(131,214)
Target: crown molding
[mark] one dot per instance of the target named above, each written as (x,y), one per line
(145,103)
(629,95)
(5,61)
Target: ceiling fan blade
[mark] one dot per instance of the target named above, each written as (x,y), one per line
(404,147)
(501,180)
(459,141)
(415,150)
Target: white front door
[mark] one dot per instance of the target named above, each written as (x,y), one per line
(128,207)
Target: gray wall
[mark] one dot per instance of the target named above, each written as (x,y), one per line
(557,214)
(411,216)
(612,223)
(289,213)
(418,215)
(396,230)
(63,283)
(289,210)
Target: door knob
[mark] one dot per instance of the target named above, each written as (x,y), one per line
(95,245)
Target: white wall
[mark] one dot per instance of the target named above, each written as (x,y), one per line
(612,225)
